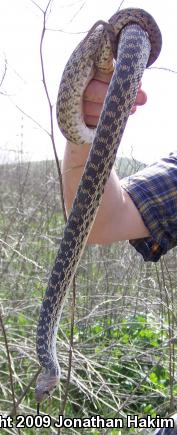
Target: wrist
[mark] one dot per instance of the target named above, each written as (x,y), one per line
(75,155)
(74,161)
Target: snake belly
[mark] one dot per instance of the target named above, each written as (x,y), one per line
(138,39)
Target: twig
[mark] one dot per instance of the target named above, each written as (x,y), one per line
(51,134)
(61,191)
(121,4)
(9,364)
(77,12)
(67,32)
(70,351)
(14,409)
(21,255)
(163,69)
(170,334)
(37,6)
(4,73)
(30,117)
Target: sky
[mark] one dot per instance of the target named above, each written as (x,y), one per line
(24,112)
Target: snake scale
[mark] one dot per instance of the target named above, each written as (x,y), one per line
(138,39)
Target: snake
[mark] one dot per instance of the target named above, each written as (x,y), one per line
(168,430)
(128,43)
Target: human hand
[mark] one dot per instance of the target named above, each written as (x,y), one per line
(94,96)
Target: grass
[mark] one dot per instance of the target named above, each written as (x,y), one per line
(125,324)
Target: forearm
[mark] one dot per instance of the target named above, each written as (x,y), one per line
(117,218)
(72,168)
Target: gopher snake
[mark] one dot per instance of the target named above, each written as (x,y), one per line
(139,43)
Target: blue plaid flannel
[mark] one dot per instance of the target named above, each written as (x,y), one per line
(154,192)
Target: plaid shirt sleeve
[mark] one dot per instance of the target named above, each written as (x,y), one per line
(154,192)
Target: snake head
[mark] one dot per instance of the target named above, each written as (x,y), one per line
(45,385)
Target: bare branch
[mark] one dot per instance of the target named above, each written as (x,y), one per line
(35,4)
(77,12)
(69,5)
(70,351)
(4,73)
(21,255)
(50,107)
(121,4)
(30,117)
(9,363)
(164,69)
(62,200)
(66,32)
(14,409)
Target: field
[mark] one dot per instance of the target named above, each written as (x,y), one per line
(124,340)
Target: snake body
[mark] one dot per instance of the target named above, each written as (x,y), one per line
(139,42)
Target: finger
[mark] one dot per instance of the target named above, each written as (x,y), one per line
(92,109)
(133,110)
(91,121)
(141,98)
(91,112)
(95,91)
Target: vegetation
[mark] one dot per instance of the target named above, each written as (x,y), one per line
(123,359)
